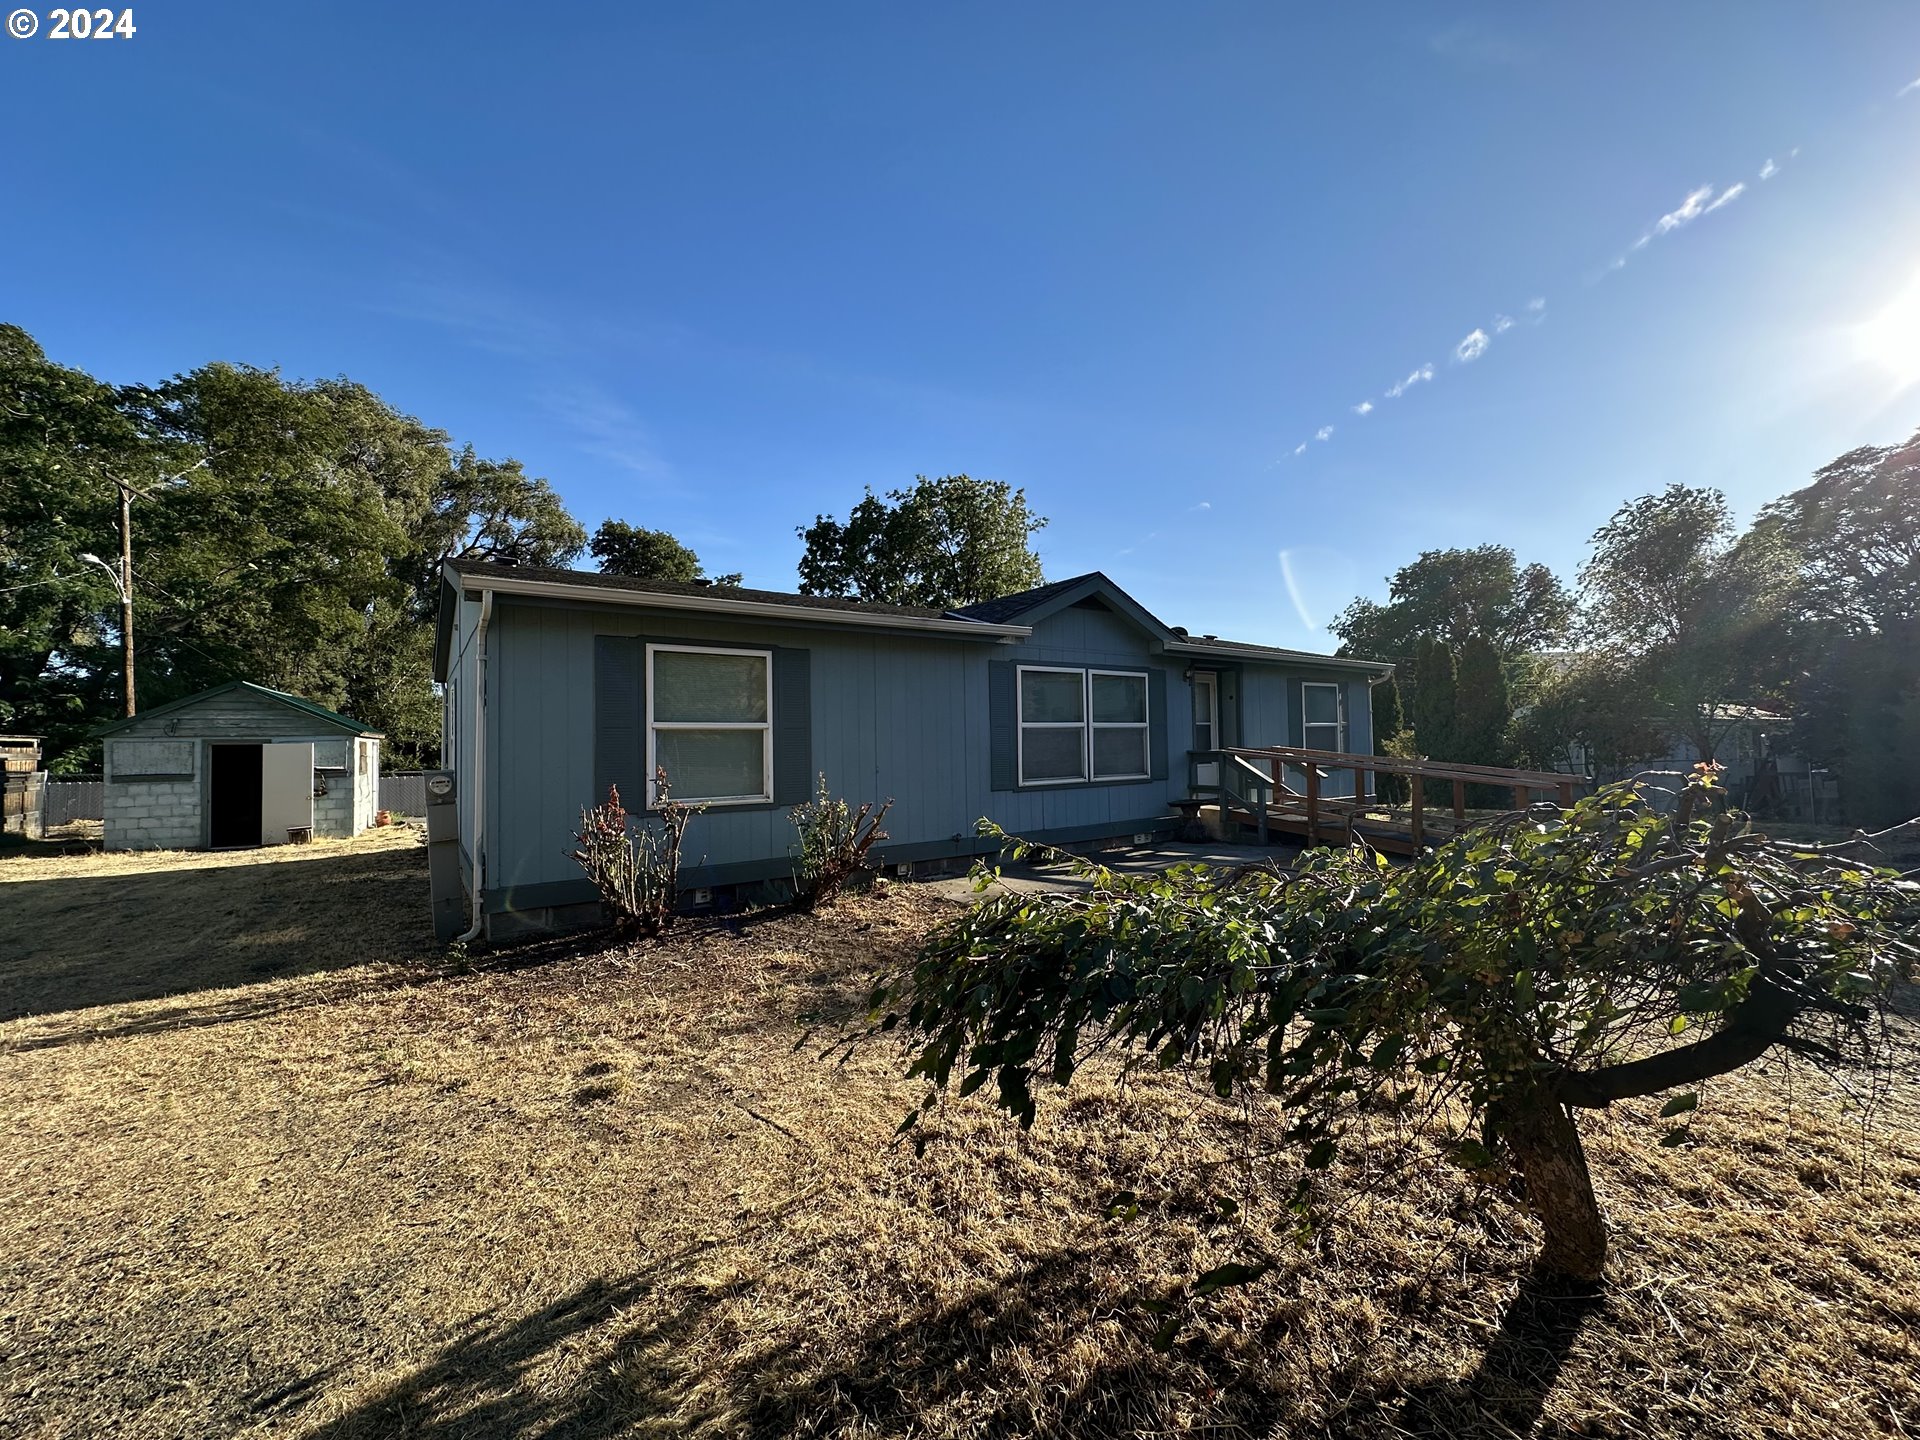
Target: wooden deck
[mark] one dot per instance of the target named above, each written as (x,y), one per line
(1277,792)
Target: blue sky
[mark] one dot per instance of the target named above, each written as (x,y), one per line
(717,267)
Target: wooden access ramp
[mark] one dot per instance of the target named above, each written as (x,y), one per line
(1283,791)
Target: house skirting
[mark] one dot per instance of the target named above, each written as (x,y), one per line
(574,904)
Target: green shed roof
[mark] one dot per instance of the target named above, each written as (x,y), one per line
(295,702)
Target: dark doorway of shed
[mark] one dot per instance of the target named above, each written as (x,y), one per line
(233,802)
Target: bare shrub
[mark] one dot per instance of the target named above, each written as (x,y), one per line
(833,844)
(635,862)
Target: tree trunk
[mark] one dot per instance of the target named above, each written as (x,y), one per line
(1546,1144)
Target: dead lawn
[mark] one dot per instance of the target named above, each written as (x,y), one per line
(585,1195)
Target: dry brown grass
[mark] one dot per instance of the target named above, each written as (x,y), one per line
(80,930)
(583,1195)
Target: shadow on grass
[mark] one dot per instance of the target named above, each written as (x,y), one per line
(76,941)
(949,1368)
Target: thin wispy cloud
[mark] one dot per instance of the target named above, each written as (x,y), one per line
(1301,448)
(1691,209)
(1203,505)
(1728,196)
(1365,407)
(1400,387)
(1502,324)
(1325,432)
(1908,88)
(1472,348)
(1536,305)
(1769,170)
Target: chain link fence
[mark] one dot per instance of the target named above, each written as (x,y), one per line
(75,797)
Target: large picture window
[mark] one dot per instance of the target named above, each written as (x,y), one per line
(710,723)
(1078,725)
(1324,717)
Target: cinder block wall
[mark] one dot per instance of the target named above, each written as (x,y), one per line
(152,815)
(333,811)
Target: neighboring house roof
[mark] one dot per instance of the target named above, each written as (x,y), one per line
(295,702)
(1010,617)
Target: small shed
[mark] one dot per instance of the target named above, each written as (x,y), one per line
(238,765)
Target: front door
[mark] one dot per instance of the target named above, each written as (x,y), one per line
(1206,726)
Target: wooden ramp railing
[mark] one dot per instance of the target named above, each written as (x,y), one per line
(1254,789)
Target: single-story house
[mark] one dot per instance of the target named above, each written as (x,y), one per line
(238,765)
(1067,714)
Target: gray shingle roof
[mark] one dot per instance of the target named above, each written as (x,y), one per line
(594,579)
(1010,607)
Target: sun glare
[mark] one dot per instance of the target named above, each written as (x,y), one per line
(1892,338)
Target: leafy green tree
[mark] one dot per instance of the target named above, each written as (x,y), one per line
(487,510)
(641,554)
(1389,738)
(1853,538)
(1690,619)
(301,547)
(1526,971)
(65,442)
(945,543)
(1436,708)
(1454,595)
(1855,535)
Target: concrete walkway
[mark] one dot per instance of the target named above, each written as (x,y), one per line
(1135,860)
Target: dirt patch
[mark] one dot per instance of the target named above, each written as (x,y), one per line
(581,1194)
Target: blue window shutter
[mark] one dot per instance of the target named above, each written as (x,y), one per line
(1000,726)
(1296,719)
(619,720)
(792,725)
(1157,723)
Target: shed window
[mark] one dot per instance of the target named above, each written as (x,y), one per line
(1324,712)
(1081,725)
(710,723)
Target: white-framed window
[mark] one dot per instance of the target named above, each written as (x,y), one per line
(1053,725)
(1117,701)
(1078,726)
(710,723)
(1323,711)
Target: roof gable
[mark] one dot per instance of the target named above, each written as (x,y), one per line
(1028,607)
(306,707)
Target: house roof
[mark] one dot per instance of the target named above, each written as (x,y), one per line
(295,702)
(1011,607)
(597,580)
(1010,617)
(1209,644)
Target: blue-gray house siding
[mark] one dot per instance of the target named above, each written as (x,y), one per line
(906,717)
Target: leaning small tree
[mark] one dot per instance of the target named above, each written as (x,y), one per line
(1535,967)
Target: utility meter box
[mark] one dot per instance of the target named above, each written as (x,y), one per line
(444,880)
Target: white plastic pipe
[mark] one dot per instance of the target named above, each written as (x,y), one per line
(479,764)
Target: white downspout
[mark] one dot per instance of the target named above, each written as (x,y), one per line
(479,765)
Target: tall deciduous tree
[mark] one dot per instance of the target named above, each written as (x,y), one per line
(1853,536)
(944,543)
(1688,618)
(642,554)
(301,549)
(1455,594)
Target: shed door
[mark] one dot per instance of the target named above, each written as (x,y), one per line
(286,790)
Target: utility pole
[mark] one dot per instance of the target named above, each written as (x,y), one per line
(126,587)
(123,577)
